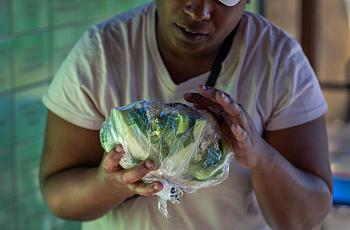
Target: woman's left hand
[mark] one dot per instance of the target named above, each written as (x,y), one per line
(235,124)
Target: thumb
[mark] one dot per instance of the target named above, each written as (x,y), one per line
(240,134)
(110,161)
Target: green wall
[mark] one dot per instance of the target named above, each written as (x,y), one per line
(35,36)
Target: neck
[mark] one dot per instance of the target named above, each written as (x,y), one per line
(182,67)
(191,64)
(189,68)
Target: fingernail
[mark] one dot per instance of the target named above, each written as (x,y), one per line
(149,164)
(157,186)
(225,97)
(119,148)
(234,126)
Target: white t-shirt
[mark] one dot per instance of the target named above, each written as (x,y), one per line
(118,62)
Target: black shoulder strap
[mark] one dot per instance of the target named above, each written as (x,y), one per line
(223,51)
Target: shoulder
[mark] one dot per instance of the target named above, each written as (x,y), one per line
(113,38)
(125,24)
(268,47)
(260,33)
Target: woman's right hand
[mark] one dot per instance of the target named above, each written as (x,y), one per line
(128,181)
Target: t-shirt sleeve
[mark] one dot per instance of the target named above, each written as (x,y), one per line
(297,96)
(72,95)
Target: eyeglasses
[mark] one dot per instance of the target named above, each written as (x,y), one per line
(229,2)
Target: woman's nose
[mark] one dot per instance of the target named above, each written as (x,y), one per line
(199,10)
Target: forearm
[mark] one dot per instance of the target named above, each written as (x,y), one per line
(289,198)
(77,194)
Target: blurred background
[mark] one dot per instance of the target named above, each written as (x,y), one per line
(36,35)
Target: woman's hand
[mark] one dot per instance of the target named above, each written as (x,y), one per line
(235,124)
(116,178)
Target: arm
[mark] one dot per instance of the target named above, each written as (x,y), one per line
(290,170)
(78,181)
(293,184)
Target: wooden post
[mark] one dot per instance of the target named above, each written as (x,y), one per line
(309,29)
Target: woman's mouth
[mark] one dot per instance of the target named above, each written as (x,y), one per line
(191,34)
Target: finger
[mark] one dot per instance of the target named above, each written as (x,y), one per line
(202,103)
(221,100)
(197,98)
(217,111)
(200,107)
(241,135)
(214,109)
(111,159)
(231,107)
(129,176)
(207,91)
(146,189)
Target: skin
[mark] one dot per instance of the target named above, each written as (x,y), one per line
(209,17)
(74,169)
(291,178)
(290,171)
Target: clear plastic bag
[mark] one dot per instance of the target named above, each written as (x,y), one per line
(184,143)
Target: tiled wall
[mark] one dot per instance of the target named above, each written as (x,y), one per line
(35,36)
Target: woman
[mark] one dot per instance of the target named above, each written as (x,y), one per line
(266,97)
